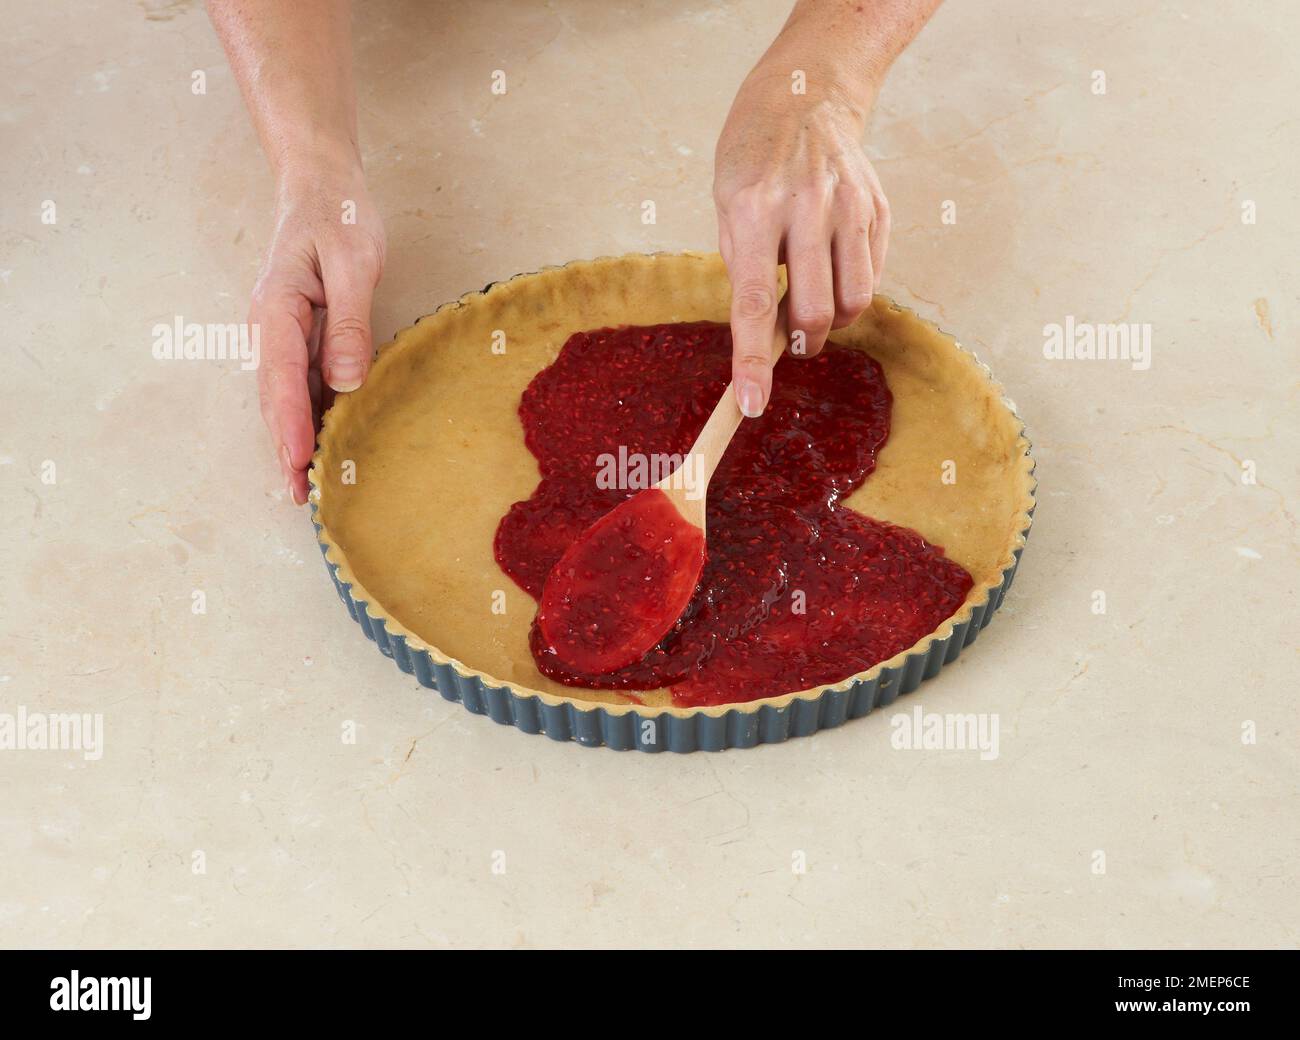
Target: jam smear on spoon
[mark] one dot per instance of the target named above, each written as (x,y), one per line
(619,588)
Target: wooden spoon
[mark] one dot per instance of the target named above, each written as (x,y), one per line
(623,584)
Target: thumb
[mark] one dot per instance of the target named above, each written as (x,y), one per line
(346,346)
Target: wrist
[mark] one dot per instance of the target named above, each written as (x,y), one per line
(320,160)
(843,56)
(813,85)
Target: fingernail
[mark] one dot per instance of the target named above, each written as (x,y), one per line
(293,493)
(284,457)
(345,375)
(751,400)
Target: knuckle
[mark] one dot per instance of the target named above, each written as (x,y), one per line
(813,315)
(271,296)
(852,189)
(883,214)
(356,252)
(347,326)
(755,300)
(825,185)
(258,299)
(362,255)
(372,253)
(853,301)
(279,372)
(754,201)
(281,359)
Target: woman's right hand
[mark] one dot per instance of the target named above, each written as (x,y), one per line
(312,302)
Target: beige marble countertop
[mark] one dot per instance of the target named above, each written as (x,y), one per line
(226,810)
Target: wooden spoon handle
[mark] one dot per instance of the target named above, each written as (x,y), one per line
(723,422)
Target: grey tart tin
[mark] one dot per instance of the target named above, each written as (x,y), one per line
(634,728)
(654,730)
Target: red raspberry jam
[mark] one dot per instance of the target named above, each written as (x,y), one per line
(797,591)
(618,589)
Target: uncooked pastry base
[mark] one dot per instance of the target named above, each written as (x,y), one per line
(437,452)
